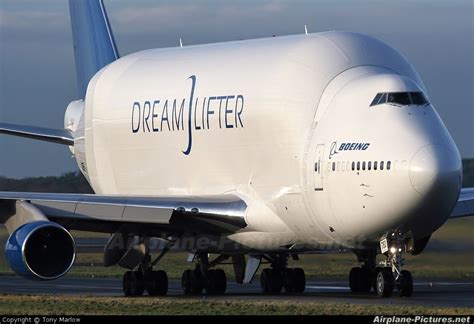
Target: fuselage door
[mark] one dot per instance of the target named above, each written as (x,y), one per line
(318,168)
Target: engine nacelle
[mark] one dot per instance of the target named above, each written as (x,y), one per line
(40,250)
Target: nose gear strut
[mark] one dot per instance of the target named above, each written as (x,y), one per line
(390,274)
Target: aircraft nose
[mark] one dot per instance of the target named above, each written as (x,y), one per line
(435,168)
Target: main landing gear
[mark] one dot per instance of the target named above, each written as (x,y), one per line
(386,277)
(202,278)
(273,280)
(145,278)
(213,281)
(154,282)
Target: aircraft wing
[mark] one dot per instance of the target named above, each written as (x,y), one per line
(58,136)
(153,215)
(465,205)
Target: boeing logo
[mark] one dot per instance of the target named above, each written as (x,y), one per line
(214,112)
(347,147)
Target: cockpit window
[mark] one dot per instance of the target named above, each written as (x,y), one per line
(418,98)
(400,98)
(383,99)
(376,99)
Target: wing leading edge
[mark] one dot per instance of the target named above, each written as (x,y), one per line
(106,213)
(58,136)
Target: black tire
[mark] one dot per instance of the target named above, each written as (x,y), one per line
(365,280)
(405,285)
(186,282)
(360,280)
(221,281)
(385,283)
(276,282)
(354,282)
(197,282)
(299,280)
(137,284)
(211,282)
(288,280)
(374,278)
(156,283)
(126,283)
(265,279)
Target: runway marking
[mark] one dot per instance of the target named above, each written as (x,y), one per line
(328,287)
(59,286)
(444,283)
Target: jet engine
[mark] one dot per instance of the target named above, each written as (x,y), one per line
(40,250)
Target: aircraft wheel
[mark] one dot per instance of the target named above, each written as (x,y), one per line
(354,279)
(156,283)
(288,280)
(405,285)
(186,282)
(365,280)
(265,280)
(221,281)
(211,282)
(271,281)
(197,281)
(374,278)
(216,281)
(192,282)
(127,283)
(133,283)
(138,283)
(385,283)
(299,280)
(360,280)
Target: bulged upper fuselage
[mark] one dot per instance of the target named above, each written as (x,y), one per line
(288,124)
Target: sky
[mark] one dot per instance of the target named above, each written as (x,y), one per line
(37,73)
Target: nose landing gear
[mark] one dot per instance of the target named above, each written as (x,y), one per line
(391,275)
(388,275)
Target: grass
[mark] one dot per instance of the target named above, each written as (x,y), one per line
(65,305)
(456,230)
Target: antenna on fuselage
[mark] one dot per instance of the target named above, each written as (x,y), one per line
(180,42)
(305,30)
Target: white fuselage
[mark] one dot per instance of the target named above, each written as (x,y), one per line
(279,123)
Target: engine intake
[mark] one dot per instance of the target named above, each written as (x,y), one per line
(40,250)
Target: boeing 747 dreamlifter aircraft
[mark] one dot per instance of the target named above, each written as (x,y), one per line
(255,151)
